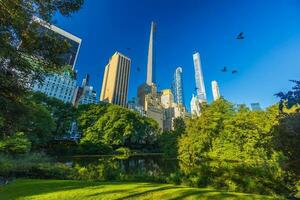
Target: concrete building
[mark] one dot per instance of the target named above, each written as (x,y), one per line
(195,106)
(215,90)
(61,86)
(84,94)
(200,87)
(167,98)
(151,56)
(116,80)
(177,86)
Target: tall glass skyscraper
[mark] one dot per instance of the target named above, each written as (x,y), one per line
(199,78)
(177,86)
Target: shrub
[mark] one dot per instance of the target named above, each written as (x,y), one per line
(123,151)
(16,144)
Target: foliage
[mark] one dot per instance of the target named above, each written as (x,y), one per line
(168,143)
(232,149)
(26,52)
(16,144)
(63,114)
(291,98)
(116,126)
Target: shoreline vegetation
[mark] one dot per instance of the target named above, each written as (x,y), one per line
(77,190)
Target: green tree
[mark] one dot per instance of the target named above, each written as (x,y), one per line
(201,132)
(26,53)
(115,126)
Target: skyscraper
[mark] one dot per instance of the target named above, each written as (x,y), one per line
(199,78)
(59,85)
(70,57)
(85,94)
(255,106)
(215,90)
(195,106)
(116,80)
(149,86)
(151,56)
(177,86)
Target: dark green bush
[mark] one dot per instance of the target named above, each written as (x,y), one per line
(15,144)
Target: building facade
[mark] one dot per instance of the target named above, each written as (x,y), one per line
(215,90)
(116,80)
(177,86)
(200,87)
(85,94)
(255,106)
(195,106)
(60,86)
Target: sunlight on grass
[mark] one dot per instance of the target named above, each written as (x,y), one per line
(78,190)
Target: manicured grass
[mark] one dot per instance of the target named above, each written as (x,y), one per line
(25,189)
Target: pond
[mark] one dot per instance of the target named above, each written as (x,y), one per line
(147,165)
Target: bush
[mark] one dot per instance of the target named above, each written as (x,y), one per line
(87,147)
(123,151)
(16,144)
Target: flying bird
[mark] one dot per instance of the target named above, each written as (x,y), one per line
(240,36)
(224,69)
(128,48)
(138,69)
(234,71)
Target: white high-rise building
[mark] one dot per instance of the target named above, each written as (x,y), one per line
(215,90)
(199,78)
(195,106)
(60,86)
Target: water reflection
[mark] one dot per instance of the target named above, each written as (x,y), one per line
(133,166)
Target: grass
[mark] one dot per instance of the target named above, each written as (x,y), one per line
(26,189)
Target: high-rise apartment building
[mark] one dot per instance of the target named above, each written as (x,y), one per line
(60,85)
(195,106)
(151,56)
(85,94)
(116,80)
(70,57)
(199,78)
(215,90)
(177,86)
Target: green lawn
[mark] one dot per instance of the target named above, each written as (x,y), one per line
(24,189)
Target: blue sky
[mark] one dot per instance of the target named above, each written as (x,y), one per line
(266,59)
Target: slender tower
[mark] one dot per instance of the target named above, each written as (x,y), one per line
(177,86)
(215,90)
(151,56)
(199,78)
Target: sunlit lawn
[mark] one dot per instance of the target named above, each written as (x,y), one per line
(79,190)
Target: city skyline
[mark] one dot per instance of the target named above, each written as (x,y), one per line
(199,30)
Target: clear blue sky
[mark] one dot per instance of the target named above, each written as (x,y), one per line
(267,58)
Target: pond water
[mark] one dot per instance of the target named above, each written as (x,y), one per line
(136,165)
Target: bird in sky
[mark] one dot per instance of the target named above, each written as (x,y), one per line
(138,69)
(240,36)
(234,71)
(128,48)
(224,69)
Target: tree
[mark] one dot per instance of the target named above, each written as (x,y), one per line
(291,98)
(63,114)
(200,132)
(25,52)
(115,126)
